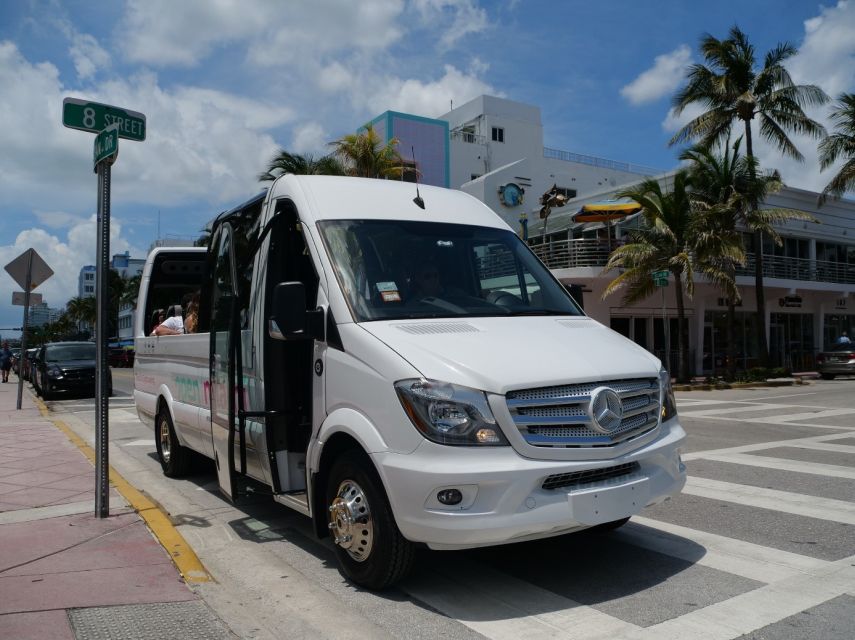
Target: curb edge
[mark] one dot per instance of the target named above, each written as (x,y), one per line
(183,557)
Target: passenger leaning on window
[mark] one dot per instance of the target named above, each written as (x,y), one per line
(173,325)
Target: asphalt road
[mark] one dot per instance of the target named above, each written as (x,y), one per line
(760,544)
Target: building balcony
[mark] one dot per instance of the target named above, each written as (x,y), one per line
(591,252)
(468,137)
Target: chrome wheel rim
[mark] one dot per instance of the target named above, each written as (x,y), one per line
(351,524)
(165,442)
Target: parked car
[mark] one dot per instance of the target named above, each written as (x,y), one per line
(66,367)
(119,357)
(838,360)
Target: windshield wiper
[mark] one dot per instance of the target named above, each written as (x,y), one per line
(541,312)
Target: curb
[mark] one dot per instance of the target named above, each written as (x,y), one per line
(182,555)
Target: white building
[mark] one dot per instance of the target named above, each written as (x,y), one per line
(493,149)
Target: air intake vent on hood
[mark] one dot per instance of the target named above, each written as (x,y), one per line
(438,327)
(577,323)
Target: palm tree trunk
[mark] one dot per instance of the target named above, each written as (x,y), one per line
(759,293)
(682,337)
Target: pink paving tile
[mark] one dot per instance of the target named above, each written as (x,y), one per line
(75,483)
(131,546)
(39,497)
(25,542)
(7,506)
(42,625)
(8,488)
(99,587)
(39,477)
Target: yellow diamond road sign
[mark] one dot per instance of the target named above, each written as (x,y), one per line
(39,271)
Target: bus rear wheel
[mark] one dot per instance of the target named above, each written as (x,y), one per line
(368,544)
(174,459)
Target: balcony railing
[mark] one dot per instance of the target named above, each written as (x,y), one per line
(801,269)
(603,163)
(568,254)
(585,252)
(466,136)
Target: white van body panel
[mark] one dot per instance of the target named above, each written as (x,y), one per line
(500,354)
(354,390)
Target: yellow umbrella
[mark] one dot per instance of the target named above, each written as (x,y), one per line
(606,211)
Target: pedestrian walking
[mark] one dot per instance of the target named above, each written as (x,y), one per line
(6,359)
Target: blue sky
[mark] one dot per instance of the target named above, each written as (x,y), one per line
(225,84)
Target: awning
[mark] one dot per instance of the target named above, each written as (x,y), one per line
(606,210)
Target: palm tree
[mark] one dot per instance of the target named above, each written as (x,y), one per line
(670,240)
(725,184)
(285,162)
(82,310)
(732,89)
(365,155)
(840,144)
(132,290)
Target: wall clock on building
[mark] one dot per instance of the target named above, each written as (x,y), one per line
(511,195)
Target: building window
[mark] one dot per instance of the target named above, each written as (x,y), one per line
(566,192)
(88,276)
(474,176)
(88,289)
(498,134)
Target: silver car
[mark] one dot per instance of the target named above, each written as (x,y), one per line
(838,360)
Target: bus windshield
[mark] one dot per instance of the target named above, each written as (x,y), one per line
(393,269)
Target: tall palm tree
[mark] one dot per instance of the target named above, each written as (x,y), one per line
(365,155)
(82,310)
(732,89)
(132,290)
(840,144)
(725,184)
(671,239)
(285,162)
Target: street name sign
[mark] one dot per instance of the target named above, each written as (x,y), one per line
(106,145)
(660,278)
(19,298)
(95,117)
(39,271)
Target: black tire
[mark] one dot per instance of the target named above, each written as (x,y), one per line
(174,459)
(611,526)
(386,556)
(827,376)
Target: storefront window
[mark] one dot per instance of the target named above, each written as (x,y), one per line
(791,341)
(715,341)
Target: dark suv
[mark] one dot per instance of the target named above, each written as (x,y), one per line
(66,367)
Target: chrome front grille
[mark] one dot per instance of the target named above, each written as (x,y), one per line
(558,416)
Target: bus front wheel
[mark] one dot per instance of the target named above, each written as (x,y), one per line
(369,546)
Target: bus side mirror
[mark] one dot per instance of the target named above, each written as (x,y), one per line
(290,320)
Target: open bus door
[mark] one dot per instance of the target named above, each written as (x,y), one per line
(225,365)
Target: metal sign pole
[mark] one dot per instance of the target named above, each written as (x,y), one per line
(23,353)
(102,407)
(667,331)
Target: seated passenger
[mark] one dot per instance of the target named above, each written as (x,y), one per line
(191,320)
(174,323)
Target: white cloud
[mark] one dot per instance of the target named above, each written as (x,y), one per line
(458,18)
(661,79)
(88,56)
(426,98)
(164,33)
(310,137)
(201,143)
(827,55)
(64,255)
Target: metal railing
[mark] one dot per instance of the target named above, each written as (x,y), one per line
(585,252)
(800,269)
(594,161)
(469,137)
(581,252)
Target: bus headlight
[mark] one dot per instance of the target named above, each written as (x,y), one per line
(449,414)
(669,402)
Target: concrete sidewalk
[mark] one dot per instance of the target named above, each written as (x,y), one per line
(65,573)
